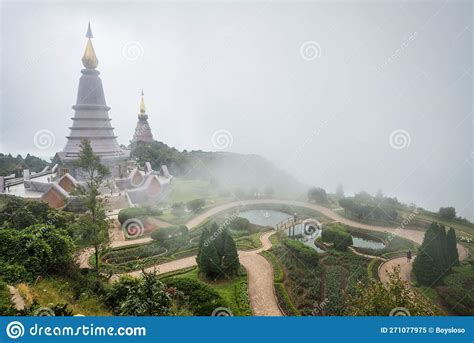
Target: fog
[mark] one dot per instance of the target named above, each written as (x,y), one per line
(373,95)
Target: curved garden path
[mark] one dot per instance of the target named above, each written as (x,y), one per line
(260,276)
(259,270)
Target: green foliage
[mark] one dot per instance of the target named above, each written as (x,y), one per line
(284,301)
(6,306)
(363,206)
(379,299)
(451,248)
(147,297)
(201,299)
(118,291)
(195,205)
(242,298)
(240,224)
(337,235)
(457,290)
(36,250)
(278,273)
(170,232)
(448,213)
(18,213)
(301,251)
(436,256)
(217,253)
(317,195)
(93,224)
(15,165)
(138,213)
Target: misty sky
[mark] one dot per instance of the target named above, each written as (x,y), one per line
(247,68)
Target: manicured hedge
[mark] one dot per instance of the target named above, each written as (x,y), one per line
(302,252)
(165,233)
(284,301)
(137,212)
(278,274)
(338,236)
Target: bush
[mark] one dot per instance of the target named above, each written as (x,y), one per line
(302,252)
(118,291)
(338,236)
(284,300)
(201,298)
(137,212)
(317,195)
(14,273)
(448,213)
(240,224)
(195,205)
(6,306)
(170,232)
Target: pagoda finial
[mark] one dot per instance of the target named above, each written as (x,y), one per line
(89,31)
(89,60)
(142,104)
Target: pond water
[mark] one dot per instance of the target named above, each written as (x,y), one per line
(271,218)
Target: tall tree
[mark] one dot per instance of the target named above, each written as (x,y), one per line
(431,262)
(217,254)
(93,224)
(451,248)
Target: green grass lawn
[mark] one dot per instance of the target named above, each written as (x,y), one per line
(234,291)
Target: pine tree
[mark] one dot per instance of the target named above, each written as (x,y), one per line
(217,254)
(432,262)
(230,262)
(451,248)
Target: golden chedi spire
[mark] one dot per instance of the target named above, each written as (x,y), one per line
(142,104)
(89,60)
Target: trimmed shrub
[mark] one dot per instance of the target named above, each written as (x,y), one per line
(302,252)
(240,224)
(201,298)
(338,236)
(170,232)
(195,205)
(137,212)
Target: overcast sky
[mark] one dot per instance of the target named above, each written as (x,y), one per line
(373,95)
